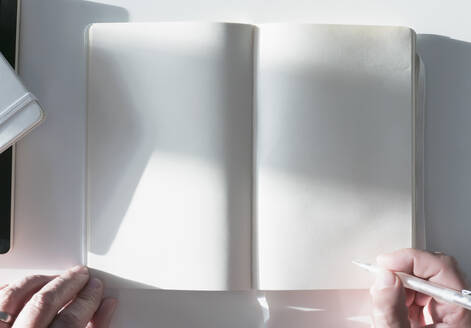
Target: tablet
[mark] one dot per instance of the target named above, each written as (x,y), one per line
(19,113)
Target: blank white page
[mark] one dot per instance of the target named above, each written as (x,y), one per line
(170,154)
(334,149)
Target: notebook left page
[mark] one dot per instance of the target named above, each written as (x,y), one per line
(169,154)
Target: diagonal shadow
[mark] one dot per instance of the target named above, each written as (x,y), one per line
(45,162)
(217,131)
(447,144)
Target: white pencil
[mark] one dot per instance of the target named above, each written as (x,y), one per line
(458,297)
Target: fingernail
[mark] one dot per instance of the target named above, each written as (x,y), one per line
(95,283)
(79,269)
(385,279)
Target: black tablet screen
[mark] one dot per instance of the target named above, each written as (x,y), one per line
(8,26)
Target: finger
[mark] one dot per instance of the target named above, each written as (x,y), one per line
(453,315)
(435,267)
(102,318)
(41,309)
(422,299)
(410,297)
(15,295)
(416,302)
(81,310)
(389,302)
(417,316)
(416,298)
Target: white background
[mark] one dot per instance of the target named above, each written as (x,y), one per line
(51,170)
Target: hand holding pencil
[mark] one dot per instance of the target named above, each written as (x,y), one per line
(395,306)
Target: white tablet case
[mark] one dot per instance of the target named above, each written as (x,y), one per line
(20,111)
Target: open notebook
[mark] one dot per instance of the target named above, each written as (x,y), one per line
(230,156)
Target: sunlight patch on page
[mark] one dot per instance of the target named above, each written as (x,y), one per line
(326,224)
(175,198)
(175,37)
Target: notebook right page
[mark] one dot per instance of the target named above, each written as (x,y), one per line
(334,152)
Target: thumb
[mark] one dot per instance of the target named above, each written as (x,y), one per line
(389,302)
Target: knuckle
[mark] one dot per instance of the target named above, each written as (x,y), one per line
(8,294)
(89,299)
(449,261)
(451,267)
(43,300)
(412,252)
(27,280)
(35,277)
(408,250)
(68,319)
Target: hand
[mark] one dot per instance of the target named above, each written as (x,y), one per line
(71,300)
(396,307)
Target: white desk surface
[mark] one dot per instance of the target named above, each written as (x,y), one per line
(50,161)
